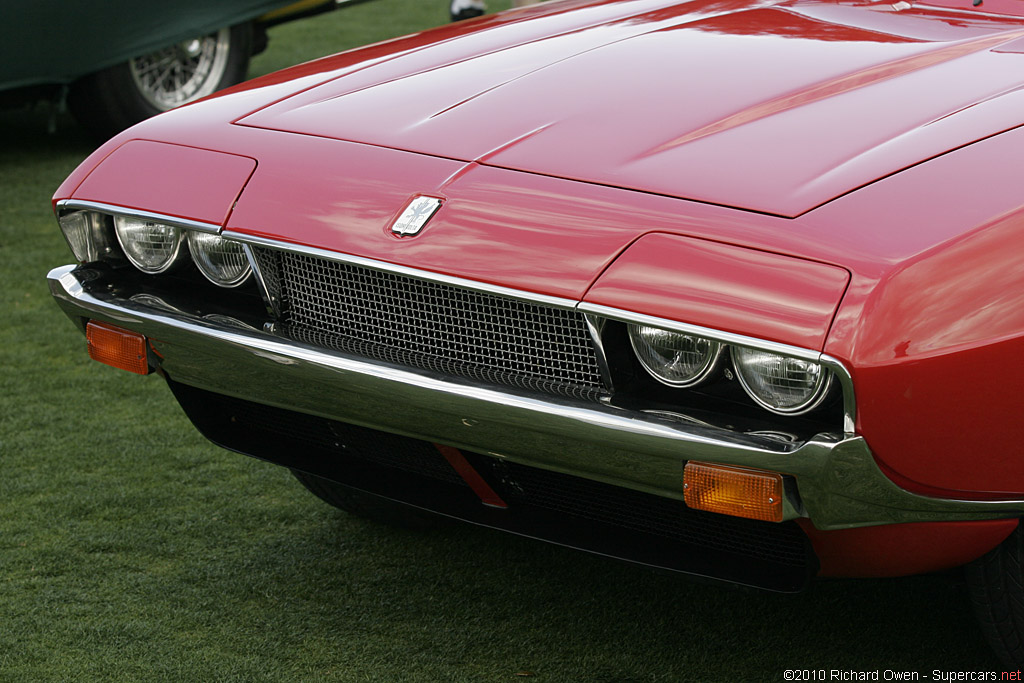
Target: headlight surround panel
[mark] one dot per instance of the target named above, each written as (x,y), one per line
(779,383)
(152,244)
(808,394)
(90,236)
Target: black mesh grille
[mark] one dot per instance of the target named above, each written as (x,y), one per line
(430,325)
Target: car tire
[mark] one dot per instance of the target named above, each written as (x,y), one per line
(996,585)
(368,506)
(108,101)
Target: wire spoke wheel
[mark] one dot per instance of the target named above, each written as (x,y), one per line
(183,72)
(119,96)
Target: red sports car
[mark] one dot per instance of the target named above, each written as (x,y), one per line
(728,287)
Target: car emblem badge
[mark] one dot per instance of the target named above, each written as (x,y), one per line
(415,216)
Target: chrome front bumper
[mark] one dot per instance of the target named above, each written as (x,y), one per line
(838,482)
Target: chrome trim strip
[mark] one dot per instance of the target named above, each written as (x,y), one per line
(553,301)
(846,384)
(273,305)
(839,482)
(595,328)
(697,330)
(110,209)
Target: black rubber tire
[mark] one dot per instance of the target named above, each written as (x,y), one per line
(368,506)
(995,585)
(108,101)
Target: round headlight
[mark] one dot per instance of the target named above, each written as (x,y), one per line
(151,247)
(222,261)
(673,358)
(784,385)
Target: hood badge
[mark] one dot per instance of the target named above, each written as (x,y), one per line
(415,215)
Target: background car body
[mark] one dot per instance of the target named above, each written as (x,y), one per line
(49,44)
(58,42)
(798,172)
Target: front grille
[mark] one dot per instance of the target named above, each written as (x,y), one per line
(430,325)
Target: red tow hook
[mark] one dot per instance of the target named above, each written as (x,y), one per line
(481,488)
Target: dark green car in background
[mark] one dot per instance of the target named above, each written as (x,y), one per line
(117,62)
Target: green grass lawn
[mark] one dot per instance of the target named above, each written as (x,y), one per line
(131,549)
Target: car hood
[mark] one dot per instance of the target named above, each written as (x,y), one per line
(776,107)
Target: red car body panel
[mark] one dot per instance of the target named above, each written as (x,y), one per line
(774,140)
(727,288)
(902,225)
(346,196)
(934,304)
(129,178)
(904,549)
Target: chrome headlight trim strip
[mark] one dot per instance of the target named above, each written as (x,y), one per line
(112,210)
(845,379)
(270,298)
(698,331)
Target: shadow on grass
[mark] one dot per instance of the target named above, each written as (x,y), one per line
(35,132)
(464,602)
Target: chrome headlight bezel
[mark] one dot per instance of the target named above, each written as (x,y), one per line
(816,392)
(200,243)
(648,355)
(89,235)
(175,255)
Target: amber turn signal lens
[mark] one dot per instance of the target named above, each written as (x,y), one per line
(116,347)
(736,491)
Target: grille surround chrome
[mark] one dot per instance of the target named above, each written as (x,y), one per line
(431,323)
